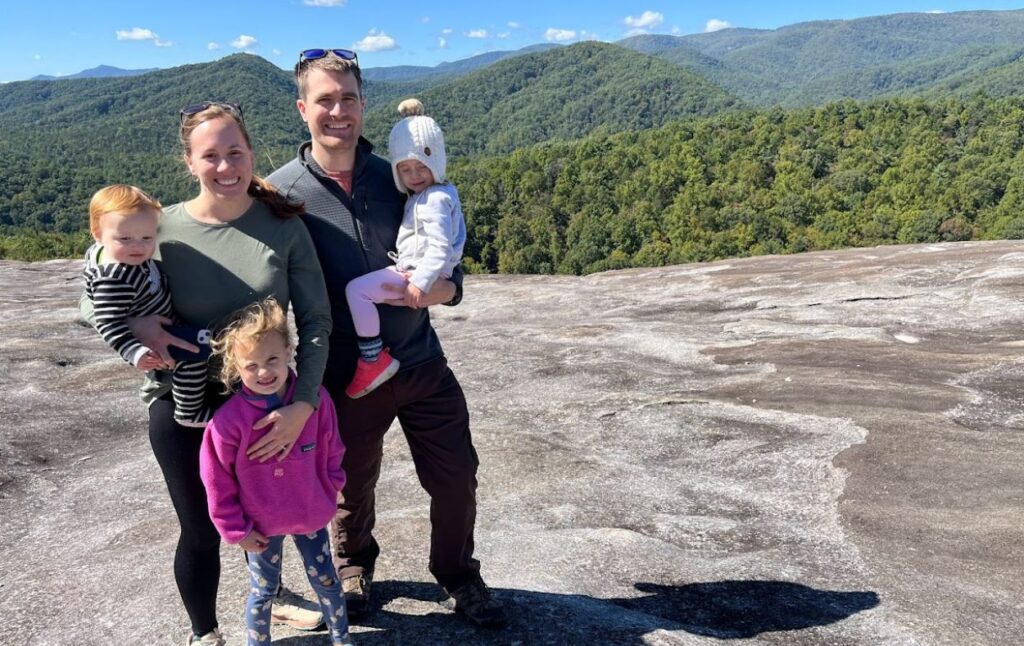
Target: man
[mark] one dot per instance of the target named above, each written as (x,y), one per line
(353,211)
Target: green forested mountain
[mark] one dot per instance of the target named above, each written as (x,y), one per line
(389,85)
(560,94)
(63,139)
(1001,75)
(752,182)
(595,156)
(815,62)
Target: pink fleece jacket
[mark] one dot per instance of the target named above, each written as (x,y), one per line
(297,495)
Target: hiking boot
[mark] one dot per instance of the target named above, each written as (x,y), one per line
(290,609)
(211,638)
(370,374)
(356,589)
(475,601)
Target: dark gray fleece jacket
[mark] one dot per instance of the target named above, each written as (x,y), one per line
(353,235)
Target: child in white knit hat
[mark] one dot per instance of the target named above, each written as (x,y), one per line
(429,246)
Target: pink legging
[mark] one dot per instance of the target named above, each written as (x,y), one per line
(364,292)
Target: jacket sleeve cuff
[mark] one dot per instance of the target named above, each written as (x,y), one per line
(236,536)
(456,279)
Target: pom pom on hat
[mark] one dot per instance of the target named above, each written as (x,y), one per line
(410,108)
(416,137)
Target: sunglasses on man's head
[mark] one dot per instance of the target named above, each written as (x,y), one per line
(314,54)
(196,108)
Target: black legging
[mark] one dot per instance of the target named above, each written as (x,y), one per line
(197,558)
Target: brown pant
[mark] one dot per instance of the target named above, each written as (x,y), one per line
(431,408)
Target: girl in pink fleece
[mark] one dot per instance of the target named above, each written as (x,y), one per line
(256,504)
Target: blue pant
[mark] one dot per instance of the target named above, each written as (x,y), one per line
(265,577)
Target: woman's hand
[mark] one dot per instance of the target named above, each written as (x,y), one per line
(254,542)
(150,361)
(287,423)
(149,330)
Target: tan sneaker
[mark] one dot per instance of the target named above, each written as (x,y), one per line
(212,638)
(290,610)
(356,589)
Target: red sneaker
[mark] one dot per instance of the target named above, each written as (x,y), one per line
(369,375)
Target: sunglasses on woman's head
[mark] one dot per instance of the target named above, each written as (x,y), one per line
(314,54)
(196,108)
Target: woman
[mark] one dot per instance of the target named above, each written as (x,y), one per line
(233,244)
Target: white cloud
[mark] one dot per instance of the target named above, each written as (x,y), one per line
(136,33)
(275,52)
(512,24)
(244,42)
(477,33)
(559,35)
(504,34)
(425,19)
(717,25)
(676,31)
(442,43)
(212,46)
(936,11)
(375,41)
(646,20)
(37,57)
(447,31)
(324,3)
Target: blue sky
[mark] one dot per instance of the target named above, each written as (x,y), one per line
(63,37)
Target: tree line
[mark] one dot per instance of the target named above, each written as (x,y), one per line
(746,183)
(740,183)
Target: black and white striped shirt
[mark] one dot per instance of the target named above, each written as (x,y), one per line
(119,291)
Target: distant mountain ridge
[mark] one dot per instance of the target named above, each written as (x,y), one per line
(817,62)
(453,68)
(101,71)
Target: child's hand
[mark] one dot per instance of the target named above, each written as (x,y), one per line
(150,361)
(254,542)
(414,296)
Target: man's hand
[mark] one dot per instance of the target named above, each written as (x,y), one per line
(287,424)
(254,542)
(442,292)
(149,330)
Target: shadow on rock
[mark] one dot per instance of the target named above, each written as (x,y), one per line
(723,610)
(742,609)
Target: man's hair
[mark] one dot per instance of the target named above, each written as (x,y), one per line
(248,328)
(329,63)
(119,198)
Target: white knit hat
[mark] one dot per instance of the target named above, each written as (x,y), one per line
(416,137)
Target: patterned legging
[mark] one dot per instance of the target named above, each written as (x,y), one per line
(265,576)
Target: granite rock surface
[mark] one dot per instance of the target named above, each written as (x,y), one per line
(822,448)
